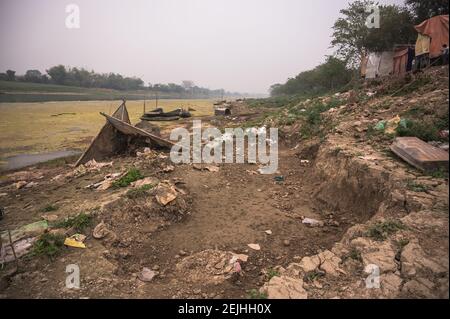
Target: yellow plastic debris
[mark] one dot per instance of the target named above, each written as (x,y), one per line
(73,242)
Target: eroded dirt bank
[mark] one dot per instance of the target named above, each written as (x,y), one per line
(188,233)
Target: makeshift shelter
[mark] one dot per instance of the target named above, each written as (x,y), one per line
(377,64)
(115,136)
(433,34)
(403,59)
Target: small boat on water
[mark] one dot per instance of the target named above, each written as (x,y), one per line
(159,115)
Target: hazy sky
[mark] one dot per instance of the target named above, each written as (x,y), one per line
(238,45)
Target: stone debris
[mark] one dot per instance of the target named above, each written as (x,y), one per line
(211,266)
(147,275)
(284,287)
(311,222)
(254,246)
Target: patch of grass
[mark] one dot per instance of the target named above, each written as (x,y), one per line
(402,243)
(131,176)
(313,275)
(417,187)
(49,245)
(256,294)
(381,230)
(354,254)
(272,273)
(440,173)
(420,129)
(78,222)
(49,208)
(139,192)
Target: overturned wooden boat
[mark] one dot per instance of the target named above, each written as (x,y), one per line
(115,136)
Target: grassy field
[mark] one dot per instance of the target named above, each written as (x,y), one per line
(27,128)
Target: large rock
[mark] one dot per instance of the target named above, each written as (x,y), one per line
(382,255)
(329,263)
(414,259)
(309,264)
(284,287)
(390,285)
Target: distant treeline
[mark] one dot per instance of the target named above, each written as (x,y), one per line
(81,77)
(328,76)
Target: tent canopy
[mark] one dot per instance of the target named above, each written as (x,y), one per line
(436,30)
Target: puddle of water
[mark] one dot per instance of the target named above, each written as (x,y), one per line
(24,160)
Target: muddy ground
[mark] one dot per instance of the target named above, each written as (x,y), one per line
(346,181)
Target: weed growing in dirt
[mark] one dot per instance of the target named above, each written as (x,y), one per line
(131,176)
(272,273)
(256,294)
(402,243)
(440,173)
(354,254)
(381,230)
(49,208)
(139,192)
(78,222)
(417,187)
(49,245)
(424,131)
(313,275)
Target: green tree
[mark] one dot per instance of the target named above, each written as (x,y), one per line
(33,76)
(10,75)
(425,9)
(58,74)
(353,39)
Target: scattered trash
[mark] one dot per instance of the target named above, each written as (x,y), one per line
(312,222)
(443,134)
(279,178)
(145,181)
(57,177)
(211,266)
(390,126)
(106,183)
(165,193)
(94,165)
(304,162)
(31,184)
(146,153)
(147,274)
(30,230)
(251,172)
(100,231)
(21,248)
(268,232)
(20,184)
(168,169)
(211,168)
(254,246)
(50,217)
(75,241)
